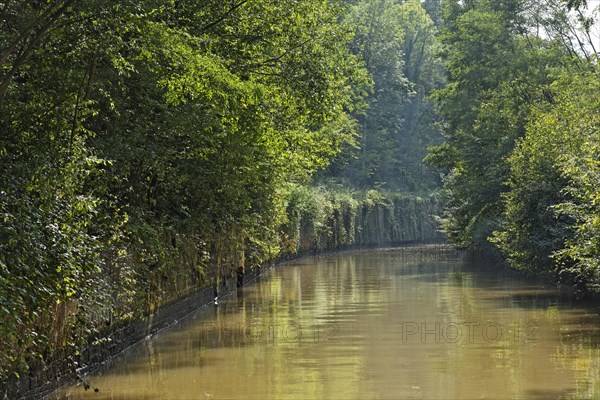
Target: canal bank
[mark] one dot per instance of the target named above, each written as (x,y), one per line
(332,224)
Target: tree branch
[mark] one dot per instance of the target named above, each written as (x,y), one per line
(285,52)
(91,72)
(32,44)
(586,28)
(222,17)
(23,34)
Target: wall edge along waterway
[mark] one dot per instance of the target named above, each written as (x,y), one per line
(383,225)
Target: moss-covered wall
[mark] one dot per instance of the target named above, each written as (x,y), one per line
(329,220)
(164,274)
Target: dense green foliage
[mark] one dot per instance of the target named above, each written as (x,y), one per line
(496,76)
(322,218)
(397,42)
(521,109)
(550,210)
(146,149)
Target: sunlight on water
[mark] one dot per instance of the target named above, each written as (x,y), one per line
(414,323)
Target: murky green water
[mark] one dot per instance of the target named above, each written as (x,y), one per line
(415,323)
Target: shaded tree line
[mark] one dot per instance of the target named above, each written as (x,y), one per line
(520,108)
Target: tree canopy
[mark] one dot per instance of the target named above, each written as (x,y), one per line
(138,139)
(520,111)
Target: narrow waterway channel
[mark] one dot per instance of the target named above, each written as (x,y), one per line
(408,323)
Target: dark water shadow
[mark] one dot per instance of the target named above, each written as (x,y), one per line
(546,394)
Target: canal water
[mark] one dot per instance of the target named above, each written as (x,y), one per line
(408,323)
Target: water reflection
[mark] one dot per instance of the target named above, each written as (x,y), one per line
(385,324)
